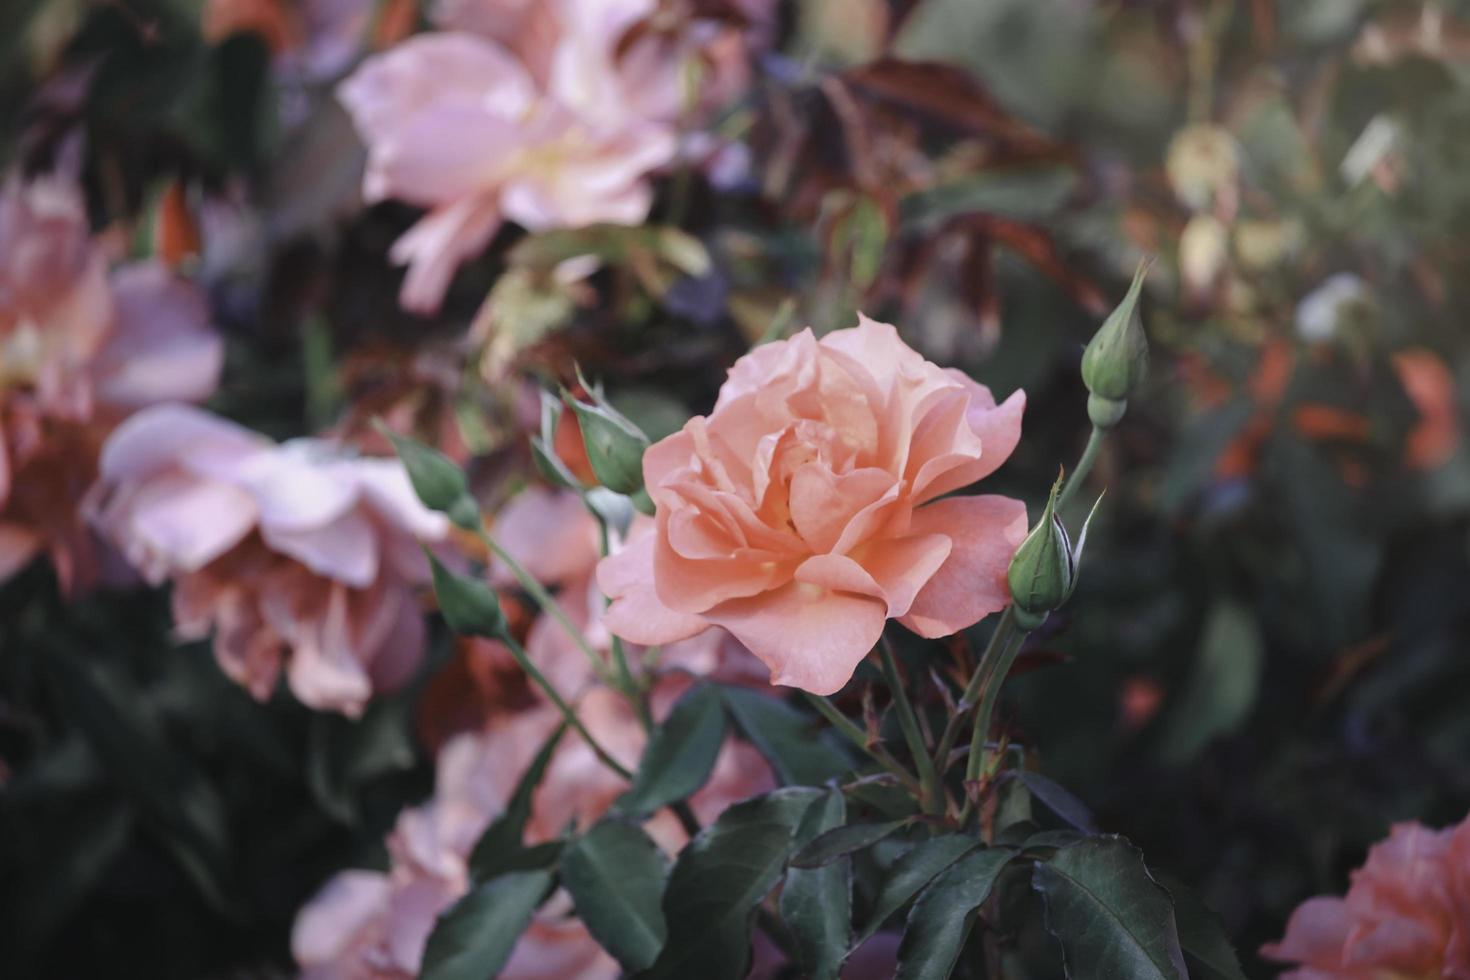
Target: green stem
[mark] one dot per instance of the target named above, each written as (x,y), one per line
(930,797)
(549,606)
(858,737)
(998,639)
(989,692)
(1084,466)
(575,723)
(630,687)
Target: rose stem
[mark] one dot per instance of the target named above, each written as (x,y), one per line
(858,737)
(930,797)
(548,605)
(519,653)
(1084,466)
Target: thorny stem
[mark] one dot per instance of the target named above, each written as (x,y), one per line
(998,639)
(575,723)
(929,791)
(858,737)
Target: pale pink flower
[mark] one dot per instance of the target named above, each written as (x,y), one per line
(455,123)
(366,924)
(805,511)
(297,556)
(1406,914)
(80,348)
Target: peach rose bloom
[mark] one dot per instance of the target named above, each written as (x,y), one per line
(298,557)
(80,348)
(805,511)
(1406,915)
(370,924)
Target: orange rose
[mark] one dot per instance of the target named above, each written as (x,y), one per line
(804,512)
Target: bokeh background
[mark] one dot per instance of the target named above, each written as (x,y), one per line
(1266,661)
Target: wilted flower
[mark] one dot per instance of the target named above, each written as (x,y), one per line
(80,348)
(1406,914)
(804,511)
(297,556)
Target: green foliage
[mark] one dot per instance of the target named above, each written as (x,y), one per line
(615,875)
(680,753)
(816,903)
(790,740)
(944,914)
(719,879)
(1110,916)
(474,938)
(502,840)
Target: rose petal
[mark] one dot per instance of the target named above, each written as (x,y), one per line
(345,905)
(636,614)
(810,638)
(971,584)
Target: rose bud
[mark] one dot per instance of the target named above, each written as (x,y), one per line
(1116,359)
(1043,573)
(614,445)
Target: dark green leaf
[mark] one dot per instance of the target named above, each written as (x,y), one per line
(719,879)
(1059,801)
(817,903)
(841,841)
(501,841)
(912,872)
(470,607)
(792,742)
(615,874)
(680,754)
(1207,948)
(944,914)
(1111,917)
(474,937)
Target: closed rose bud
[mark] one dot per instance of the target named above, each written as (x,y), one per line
(437,481)
(1116,359)
(614,445)
(1042,573)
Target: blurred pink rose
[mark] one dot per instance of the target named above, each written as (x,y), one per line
(373,924)
(295,555)
(803,512)
(80,348)
(550,114)
(455,123)
(1406,914)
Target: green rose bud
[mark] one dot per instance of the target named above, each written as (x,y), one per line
(614,445)
(470,607)
(1043,572)
(1116,359)
(439,483)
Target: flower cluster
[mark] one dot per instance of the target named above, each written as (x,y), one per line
(549,114)
(377,923)
(82,345)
